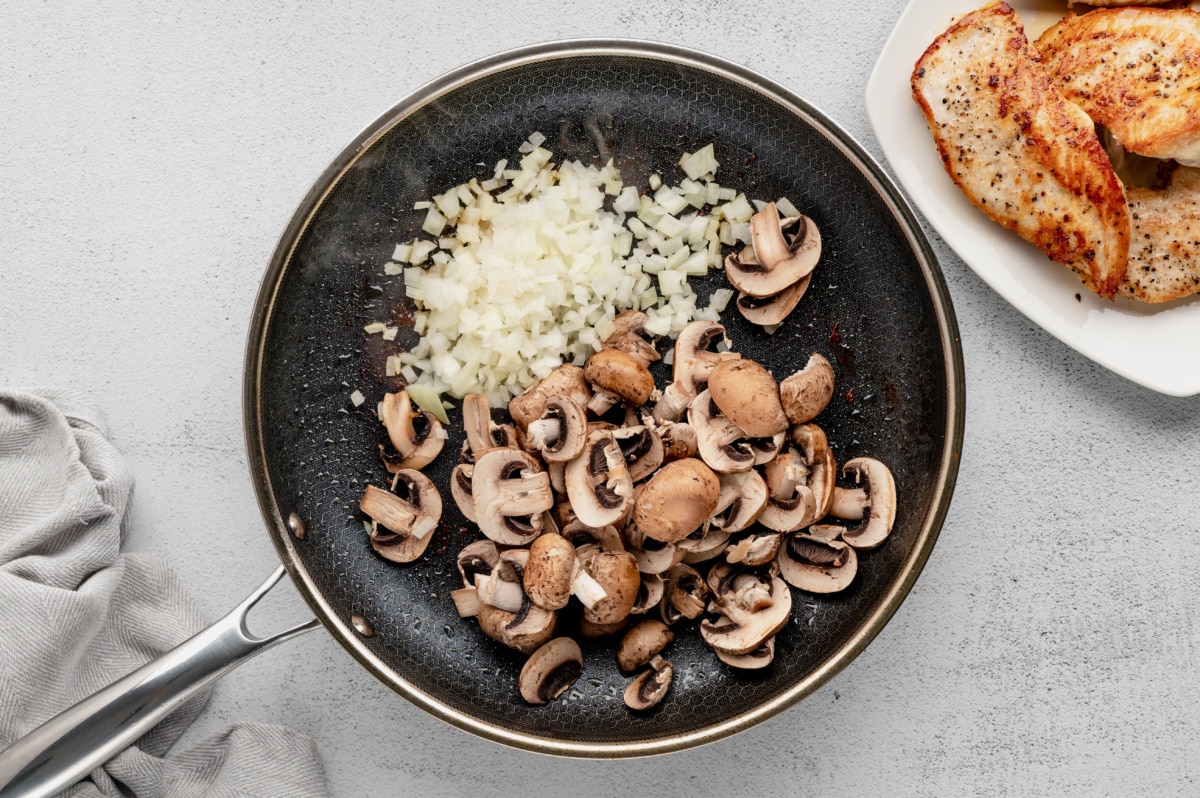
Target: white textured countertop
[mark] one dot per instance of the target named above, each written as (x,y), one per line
(150,156)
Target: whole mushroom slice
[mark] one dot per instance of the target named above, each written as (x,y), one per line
(653,556)
(685,594)
(523,630)
(561,431)
(483,434)
(511,494)
(756,606)
(722,445)
(693,361)
(461,490)
(755,549)
(650,593)
(746,393)
(567,380)
(503,588)
(741,501)
(765,449)
(598,483)
(818,459)
(807,392)
(617,574)
(417,447)
(791,504)
(757,659)
(771,310)
(642,642)
(643,450)
(477,558)
(403,519)
(817,563)
(617,376)
(680,497)
(874,502)
(550,670)
(779,261)
(678,440)
(651,686)
(630,336)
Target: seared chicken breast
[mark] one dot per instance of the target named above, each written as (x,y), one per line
(1114,3)
(1019,150)
(1136,71)
(1164,251)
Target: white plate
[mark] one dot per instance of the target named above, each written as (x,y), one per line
(1157,346)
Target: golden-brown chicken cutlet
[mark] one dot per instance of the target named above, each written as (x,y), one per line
(1134,70)
(1023,154)
(1164,250)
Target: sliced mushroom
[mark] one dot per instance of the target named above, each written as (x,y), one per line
(779,261)
(503,588)
(524,630)
(617,376)
(650,593)
(403,519)
(483,434)
(567,380)
(755,549)
(642,448)
(818,458)
(476,558)
(677,500)
(598,482)
(791,504)
(874,502)
(693,363)
(685,594)
(757,659)
(748,395)
(770,310)
(629,335)
(561,431)
(606,537)
(757,605)
(698,548)
(817,563)
(549,571)
(511,494)
(723,445)
(741,501)
(641,642)
(765,449)
(649,688)
(466,601)
(807,392)
(678,441)
(417,447)
(653,556)
(550,670)
(460,489)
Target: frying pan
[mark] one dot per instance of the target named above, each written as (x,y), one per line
(877,308)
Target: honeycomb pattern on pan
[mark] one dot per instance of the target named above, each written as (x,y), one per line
(644,113)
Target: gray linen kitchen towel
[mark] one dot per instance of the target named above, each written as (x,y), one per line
(76,613)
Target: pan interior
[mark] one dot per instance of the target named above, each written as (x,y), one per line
(870,310)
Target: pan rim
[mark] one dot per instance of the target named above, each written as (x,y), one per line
(889,193)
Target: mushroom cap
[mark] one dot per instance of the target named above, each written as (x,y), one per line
(723,445)
(402,525)
(880,496)
(524,630)
(677,500)
(807,392)
(511,493)
(643,450)
(818,458)
(767,310)
(755,549)
(598,483)
(479,557)
(549,570)
(550,670)
(685,594)
(741,501)
(651,686)
(759,658)
(817,564)
(650,593)
(678,441)
(693,362)
(460,489)
(630,336)
(621,374)
(642,642)
(791,504)
(653,556)
(617,573)
(748,395)
(566,380)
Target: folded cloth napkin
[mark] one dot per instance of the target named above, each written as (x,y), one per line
(76,614)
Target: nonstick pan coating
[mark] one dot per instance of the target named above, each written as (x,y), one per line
(877,308)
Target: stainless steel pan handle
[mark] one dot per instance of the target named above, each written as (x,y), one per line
(70,745)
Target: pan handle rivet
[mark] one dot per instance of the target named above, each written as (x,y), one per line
(296,525)
(362,625)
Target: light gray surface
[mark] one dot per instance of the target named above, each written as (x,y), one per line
(152,154)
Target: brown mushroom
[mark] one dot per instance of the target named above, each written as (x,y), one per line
(693,362)
(741,501)
(550,670)
(748,395)
(511,493)
(598,482)
(461,490)
(616,572)
(567,380)
(642,448)
(723,445)
(757,604)
(649,688)
(417,447)
(561,431)
(807,392)
(757,659)
(779,261)
(403,519)
(817,562)
(768,311)
(678,441)
(629,335)
(873,503)
(643,641)
(677,500)
(617,376)
(524,630)
(684,595)
(483,434)
(549,571)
